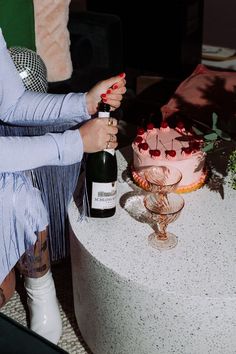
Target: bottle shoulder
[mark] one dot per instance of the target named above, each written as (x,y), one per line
(103,156)
(101,166)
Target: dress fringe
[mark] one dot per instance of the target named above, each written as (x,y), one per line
(22,216)
(57,185)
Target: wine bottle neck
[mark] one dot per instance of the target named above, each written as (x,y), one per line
(104,107)
(104,112)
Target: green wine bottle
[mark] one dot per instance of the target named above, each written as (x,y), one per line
(101,178)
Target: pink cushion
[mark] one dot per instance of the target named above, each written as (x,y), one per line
(205,91)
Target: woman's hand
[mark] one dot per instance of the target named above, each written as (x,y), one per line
(98,134)
(110,91)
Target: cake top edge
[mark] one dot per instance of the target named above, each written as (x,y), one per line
(167,142)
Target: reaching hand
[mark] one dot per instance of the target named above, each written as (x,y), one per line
(98,134)
(109,91)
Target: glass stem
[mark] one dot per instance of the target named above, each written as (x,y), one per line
(162,234)
(163,200)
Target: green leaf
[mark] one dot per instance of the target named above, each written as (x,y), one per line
(211,136)
(197,131)
(208,147)
(222,134)
(214,120)
(232,162)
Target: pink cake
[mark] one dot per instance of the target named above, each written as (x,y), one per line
(173,147)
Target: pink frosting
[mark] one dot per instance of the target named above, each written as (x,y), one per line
(190,165)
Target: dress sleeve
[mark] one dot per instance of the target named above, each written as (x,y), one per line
(18,106)
(25,153)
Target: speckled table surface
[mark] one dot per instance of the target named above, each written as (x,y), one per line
(131,298)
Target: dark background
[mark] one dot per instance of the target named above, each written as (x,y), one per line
(142,40)
(157,45)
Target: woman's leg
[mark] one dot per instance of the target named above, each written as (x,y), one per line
(42,301)
(23,216)
(36,262)
(7,288)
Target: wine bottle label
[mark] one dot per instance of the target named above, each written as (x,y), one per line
(104,195)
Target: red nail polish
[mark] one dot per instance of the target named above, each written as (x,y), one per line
(122,74)
(115,86)
(108,91)
(103,95)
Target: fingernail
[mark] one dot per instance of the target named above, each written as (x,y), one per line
(108,91)
(115,86)
(103,95)
(122,74)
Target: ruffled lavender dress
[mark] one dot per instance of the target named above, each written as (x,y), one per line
(23,207)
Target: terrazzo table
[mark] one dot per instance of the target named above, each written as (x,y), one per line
(132,299)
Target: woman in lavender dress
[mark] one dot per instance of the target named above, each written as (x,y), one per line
(23,216)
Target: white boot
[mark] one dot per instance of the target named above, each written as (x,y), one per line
(45,316)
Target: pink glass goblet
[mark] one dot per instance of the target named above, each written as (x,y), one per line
(164,211)
(162,179)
